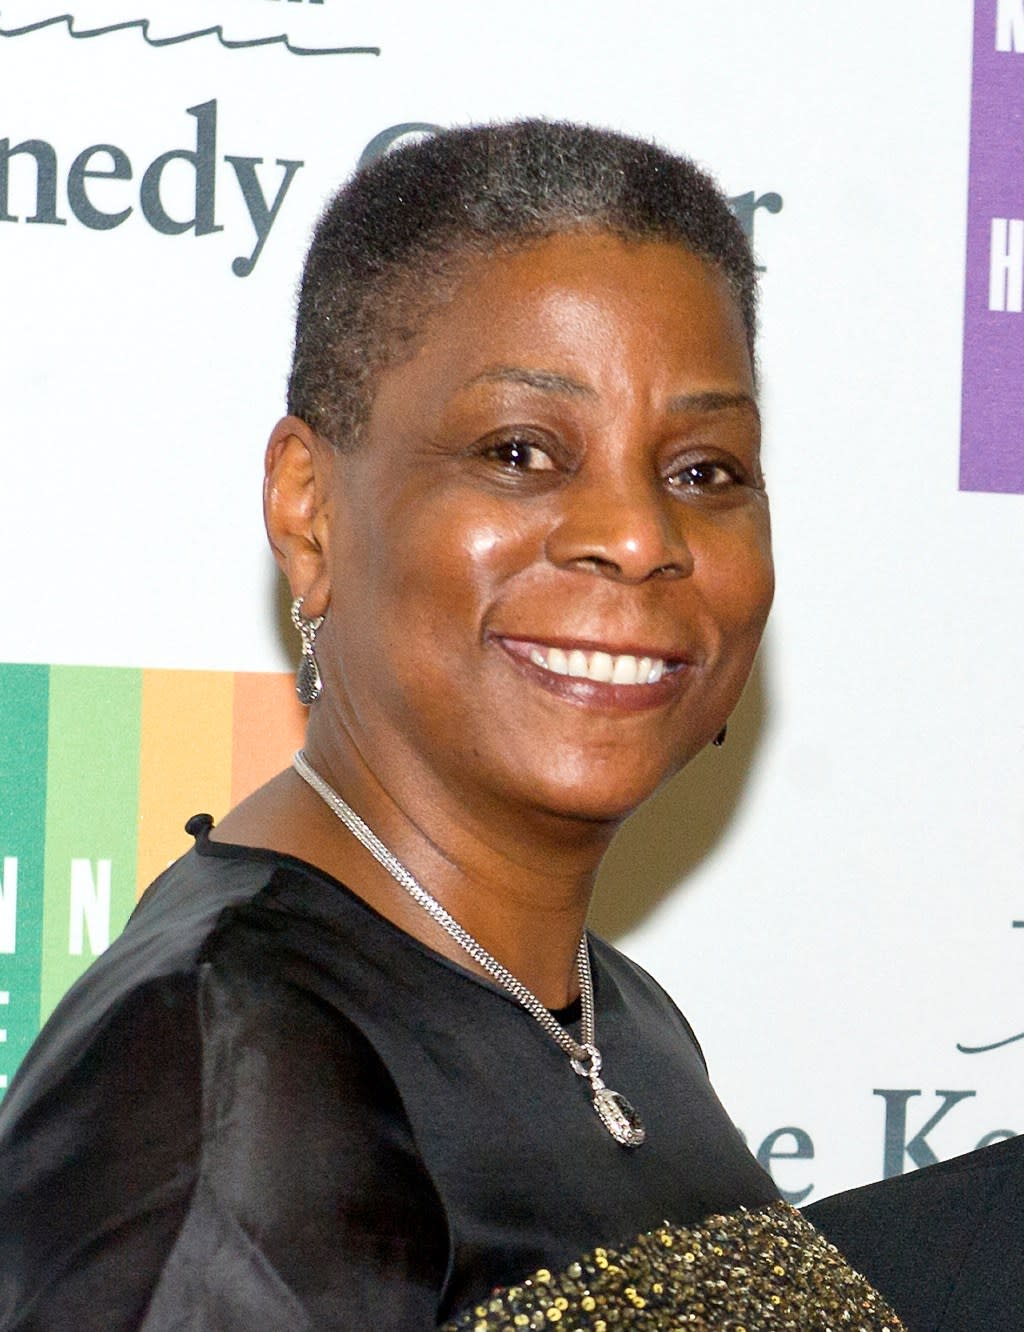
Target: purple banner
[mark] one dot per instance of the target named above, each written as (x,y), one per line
(992,421)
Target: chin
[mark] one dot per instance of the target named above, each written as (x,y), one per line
(593,801)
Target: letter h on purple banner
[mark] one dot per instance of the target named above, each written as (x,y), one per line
(992,407)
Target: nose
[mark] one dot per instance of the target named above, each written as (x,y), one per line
(629,532)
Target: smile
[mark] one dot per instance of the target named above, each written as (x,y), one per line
(598,675)
(601,667)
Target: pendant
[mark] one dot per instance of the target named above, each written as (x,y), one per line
(307,681)
(613,1110)
(618,1116)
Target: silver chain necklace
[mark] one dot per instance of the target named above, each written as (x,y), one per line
(614,1111)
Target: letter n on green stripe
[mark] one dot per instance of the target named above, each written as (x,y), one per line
(91,814)
(24,693)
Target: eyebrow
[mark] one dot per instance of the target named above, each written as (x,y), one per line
(713,402)
(549,381)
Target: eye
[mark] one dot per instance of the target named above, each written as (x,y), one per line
(706,475)
(518,453)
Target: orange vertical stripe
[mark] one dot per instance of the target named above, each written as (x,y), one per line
(269,725)
(185,761)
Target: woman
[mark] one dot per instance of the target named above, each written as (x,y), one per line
(518,500)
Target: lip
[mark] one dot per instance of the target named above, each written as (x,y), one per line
(598,694)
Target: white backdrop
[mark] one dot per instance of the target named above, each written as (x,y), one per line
(831,898)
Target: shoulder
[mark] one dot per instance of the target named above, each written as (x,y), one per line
(945,1244)
(618,979)
(227,943)
(951,1194)
(149,969)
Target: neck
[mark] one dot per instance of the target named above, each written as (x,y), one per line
(519,884)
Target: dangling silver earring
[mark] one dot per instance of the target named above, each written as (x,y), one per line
(308,683)
(719,739)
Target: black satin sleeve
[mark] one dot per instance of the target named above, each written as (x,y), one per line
(96,1176)
(312,1207)
(229,1156)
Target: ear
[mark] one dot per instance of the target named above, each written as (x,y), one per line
(297,489)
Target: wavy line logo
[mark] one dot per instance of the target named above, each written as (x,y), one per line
(242,24)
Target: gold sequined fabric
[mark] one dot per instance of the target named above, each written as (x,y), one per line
(762,1271)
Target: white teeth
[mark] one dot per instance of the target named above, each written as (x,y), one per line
(601,667)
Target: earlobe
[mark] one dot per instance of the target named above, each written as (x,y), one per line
(296,509)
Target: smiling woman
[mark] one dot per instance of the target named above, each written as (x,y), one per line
(563,474)
(342,1068)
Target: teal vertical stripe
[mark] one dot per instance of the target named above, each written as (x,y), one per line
(91,818)
(24,702)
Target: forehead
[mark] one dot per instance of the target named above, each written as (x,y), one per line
(591,307)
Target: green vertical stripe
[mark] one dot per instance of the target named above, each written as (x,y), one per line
(23,707)
(91,817)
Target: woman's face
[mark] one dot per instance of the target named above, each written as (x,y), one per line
(549,556)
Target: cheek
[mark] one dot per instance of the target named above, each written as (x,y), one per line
(443,564)
(482,544)
(457,555)
(739,581)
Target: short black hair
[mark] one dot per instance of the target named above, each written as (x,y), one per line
(391,241)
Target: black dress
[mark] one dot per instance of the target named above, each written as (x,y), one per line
(266,1107)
